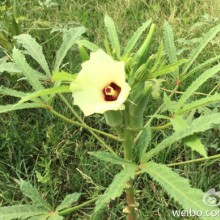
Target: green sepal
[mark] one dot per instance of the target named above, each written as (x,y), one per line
(132,123)
(135,123)
(114,118)
(143,70)
(140,101)
(83,53)
(4,42)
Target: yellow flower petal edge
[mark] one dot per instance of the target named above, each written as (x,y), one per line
(100,85)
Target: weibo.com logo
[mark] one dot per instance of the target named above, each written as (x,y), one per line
(212,198)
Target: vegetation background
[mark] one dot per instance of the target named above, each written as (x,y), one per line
(53,155)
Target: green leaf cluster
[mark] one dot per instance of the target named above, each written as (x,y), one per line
(39,209)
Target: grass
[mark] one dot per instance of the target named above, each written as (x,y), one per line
(53,155)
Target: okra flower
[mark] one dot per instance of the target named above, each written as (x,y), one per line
(100,85)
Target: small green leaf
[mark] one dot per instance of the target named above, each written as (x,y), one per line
(63,76)
(12,107)
(133,40)
(69,39)
(144,141)
(167,69)
(200,124)
(20,212)
(68,201)
(32,193)
(11,92)
(108,157)
(116,187)
(41,93)
(200,67)
(195,144)
(34,50)
(168,104)
(192,141)
(200,102)
(196,84)
(9,67)
(209,36)
(83,53)
(107,46)
(170,45)
(179,188)
(26,70)
(89,45)
(112,33)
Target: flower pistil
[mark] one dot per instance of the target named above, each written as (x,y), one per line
(111,92)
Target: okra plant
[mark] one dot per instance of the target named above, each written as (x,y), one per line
(120,84)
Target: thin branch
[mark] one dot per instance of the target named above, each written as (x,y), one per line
(194,160)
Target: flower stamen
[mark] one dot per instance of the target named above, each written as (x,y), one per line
(111,92)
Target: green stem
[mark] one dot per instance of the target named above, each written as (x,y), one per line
(161,126)
(87,127)
(70,210)
(194,160)
(70,108)
(128,155)
(83,125)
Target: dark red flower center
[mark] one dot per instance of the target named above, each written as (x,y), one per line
(111,92)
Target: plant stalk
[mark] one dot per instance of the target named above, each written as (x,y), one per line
(128,155)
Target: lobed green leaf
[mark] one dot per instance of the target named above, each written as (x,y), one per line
(68,201)
(170,45)
(11,92)
(191,141)
(21,212)
(12,107)
(31,192)
(63,76)
(201,66)
(69,39)
(200,102)
(34,50)
(135,37)
(89,45)
(166,69)
(41,93)
(178,188)
(112,33)
(9,67)
(200,124)
(109,157)
(27,71)
(209,36)
(195,85)
(144,142)
(117,186)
